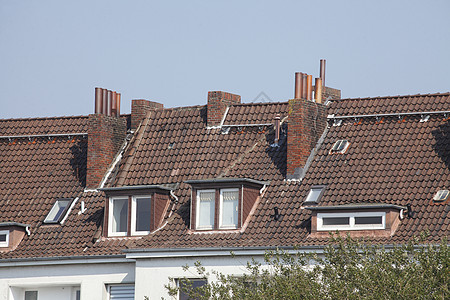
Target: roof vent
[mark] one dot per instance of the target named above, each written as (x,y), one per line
(340,147)
(441,196)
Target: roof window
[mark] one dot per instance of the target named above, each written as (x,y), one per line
(340,147)
(441,195)
(58,211)
(315,193)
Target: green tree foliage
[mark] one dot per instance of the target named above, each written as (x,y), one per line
(348,269)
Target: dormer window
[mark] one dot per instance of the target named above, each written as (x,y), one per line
(339,147)
(222,204)
(4,238)
(351,221)
(58,211)
(135,210)
(358,220)
(139,224)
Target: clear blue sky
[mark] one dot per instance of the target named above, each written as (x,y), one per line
(54,53)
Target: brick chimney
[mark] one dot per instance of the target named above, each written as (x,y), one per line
(140,108)
(106,134)
(306,122)
(217,105)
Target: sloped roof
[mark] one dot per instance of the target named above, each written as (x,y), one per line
(42,160)
(392,160)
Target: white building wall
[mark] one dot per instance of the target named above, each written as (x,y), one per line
(152,274)
(58,282)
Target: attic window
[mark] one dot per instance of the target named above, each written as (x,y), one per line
(315,193)
(351,221)
(441,195)
(4,238)
(58,211)
(340,146)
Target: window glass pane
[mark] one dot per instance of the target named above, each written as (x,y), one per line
(120,215)
(2,237)
(57,210)
(122,292)
(206,209)
(143,214)
(195,283)
(313,195)
(31,295)
(368,220)
(230,200)
(336,221)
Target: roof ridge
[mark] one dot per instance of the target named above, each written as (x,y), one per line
(259,103)
(392,97)
(44,118)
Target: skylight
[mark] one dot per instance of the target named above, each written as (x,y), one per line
(315,193)
(441,195)
(58,211)
(340,146)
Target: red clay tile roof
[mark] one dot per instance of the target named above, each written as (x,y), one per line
(34,173)
(390,160)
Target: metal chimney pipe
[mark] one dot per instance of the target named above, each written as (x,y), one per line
(118,104)
(108,107)
(277,129)
(113,104)
(318,90)
(309,87)
(304,85)
(98,100)
(104,101)
(298,85)
(322,71)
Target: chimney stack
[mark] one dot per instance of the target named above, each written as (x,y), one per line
(218,102)
(106,134)
(140,108)
(307,121)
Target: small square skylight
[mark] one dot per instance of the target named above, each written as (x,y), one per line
(441,195)
(58,211)
(340,146)
(315,193)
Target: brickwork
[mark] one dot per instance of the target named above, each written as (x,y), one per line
(105,137)
(307,121)
(217,105)
(330,93)
(140,108)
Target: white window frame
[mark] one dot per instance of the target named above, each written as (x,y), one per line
(134,217)
(352,225)
(55,208)
(110,217)
(221,209)
(6,242)
(197,210)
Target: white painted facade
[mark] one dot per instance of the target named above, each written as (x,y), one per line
(149,271)
(59,280)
